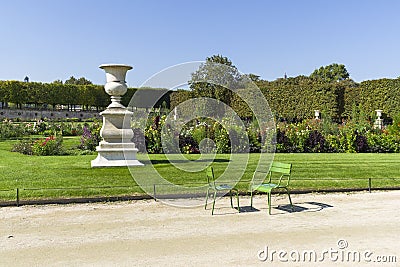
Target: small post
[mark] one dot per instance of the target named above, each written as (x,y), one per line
(17,197)
(369,184)
(154,192)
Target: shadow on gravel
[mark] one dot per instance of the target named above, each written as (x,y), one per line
(304,207)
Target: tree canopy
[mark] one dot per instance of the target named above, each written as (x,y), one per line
(80,81)
(216,78)
(331,73)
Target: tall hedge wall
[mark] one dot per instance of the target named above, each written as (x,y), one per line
(53,94)
(297,98)
(293,99)
(19,93)
(380,94)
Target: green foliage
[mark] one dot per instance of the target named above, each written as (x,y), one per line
(216,78)
(90,137)
(147,98)
(291,99)
(379,94)
(351,137)
(383,142)
(221,139)
(80,81)
(295,99)
(179,96)
(23,146)
(153,134)
(394,128)
(330,171)
(8,129)
(331,73)
(50,146)
(80,93)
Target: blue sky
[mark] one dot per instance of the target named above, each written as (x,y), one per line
(54,39)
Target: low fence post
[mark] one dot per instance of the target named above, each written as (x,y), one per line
(369,184)
(17,196)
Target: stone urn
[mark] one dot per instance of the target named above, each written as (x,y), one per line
(316,114)
(379,121)
(116,147)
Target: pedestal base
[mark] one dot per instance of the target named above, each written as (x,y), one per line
(116,155)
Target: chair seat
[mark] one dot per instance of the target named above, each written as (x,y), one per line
(265,187)
(224,187)
(277,168)
(220,187)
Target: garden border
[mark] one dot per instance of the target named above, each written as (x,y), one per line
(18,202)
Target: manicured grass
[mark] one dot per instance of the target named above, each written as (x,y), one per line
(72,176)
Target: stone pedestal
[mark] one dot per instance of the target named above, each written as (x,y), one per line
(116,148)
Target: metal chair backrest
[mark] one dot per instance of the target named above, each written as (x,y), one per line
(210,176)
(282,169)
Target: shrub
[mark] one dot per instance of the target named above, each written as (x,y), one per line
(315,142)
(50,146)
(8,129)
(254,140)
(188,145)
(90,138)
(361,144)
(221,139)
(23,147)
(383,142)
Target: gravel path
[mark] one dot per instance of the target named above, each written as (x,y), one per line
(149,233)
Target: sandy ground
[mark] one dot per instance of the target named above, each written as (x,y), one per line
(149,233)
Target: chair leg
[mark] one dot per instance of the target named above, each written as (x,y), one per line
(251,198)
(290,199)
(215,196)
(230,195)
(237,196)
(269,203)
(208,191)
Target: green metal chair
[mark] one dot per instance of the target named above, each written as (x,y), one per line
(283,170)
(218,188)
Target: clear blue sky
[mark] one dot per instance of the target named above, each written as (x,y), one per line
(54,39)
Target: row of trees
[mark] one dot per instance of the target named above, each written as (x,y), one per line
(88,96)
(39,94)
(328,89)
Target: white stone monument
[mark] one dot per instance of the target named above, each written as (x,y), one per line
(116,148)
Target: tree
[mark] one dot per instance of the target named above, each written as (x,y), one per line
(331,73)
(80,81)
(71,80)
(253,77)
(220,59)
(216,78)
(58,81)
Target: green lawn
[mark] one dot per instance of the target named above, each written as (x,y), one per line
(72,176)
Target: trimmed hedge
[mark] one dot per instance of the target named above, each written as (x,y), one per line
(380,94)
(291,99)
(295,99)
(40,94)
